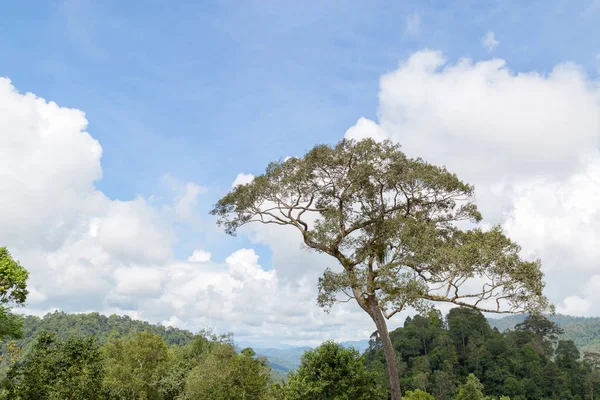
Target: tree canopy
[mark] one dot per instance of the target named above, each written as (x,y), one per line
(391,222)
(395,225)
(332,372)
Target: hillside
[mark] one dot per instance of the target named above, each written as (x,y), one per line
(584,331)
(100,326)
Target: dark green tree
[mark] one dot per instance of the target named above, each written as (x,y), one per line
(443,385)
(567,358)
(391,223)
(71,369)
(465,324)
(546,331)
(332,372)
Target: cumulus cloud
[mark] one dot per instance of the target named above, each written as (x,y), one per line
(489,41)
(86,252)
(558,217)
(48,164)
(529,142)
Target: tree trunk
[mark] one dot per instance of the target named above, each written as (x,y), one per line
(388,350)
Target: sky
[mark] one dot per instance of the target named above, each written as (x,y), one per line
(121,125)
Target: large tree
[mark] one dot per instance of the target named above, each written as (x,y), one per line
(400,228)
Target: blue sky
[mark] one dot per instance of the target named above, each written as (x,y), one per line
(202,91)
(205,90)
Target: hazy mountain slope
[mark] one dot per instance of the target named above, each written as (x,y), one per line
(584,331)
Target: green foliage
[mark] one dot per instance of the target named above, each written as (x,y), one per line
(472,389)
(11,325)
(13,280)
(222,374)
(332,372)
(57,370)
(389,220)
(103,328)
(13,292)
(135,366)
(541,326)
(417,395)
(583,331)
(437,357)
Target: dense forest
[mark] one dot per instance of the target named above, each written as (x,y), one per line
(91,356)
(529,362)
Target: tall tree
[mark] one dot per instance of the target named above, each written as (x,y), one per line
(541,326)
(546,331)
(392,224)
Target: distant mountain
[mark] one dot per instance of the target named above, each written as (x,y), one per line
(360,345)
(284,360)
(100,326)
(584,331)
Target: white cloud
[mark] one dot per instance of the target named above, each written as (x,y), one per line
(529,143)
(139,281)
(559,218)
(199,256)
(583,303)
(574,305)
(48,164)
(86,252)
(242,179)
(365,128)
(413,23)
(489,41)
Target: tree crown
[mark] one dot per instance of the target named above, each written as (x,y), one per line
(393,223)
